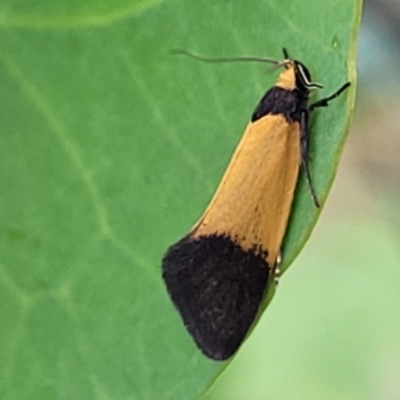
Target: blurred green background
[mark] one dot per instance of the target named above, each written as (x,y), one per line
(333,329)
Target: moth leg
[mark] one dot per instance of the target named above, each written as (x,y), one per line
(304,136)
(325,102)
(304,145)
(276,271)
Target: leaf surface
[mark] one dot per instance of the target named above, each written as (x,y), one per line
(110,150)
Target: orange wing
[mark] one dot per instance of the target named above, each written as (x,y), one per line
(253,201)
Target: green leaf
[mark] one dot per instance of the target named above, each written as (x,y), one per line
(332,331)
(110,150)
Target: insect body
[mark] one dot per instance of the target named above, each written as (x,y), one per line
(218,273)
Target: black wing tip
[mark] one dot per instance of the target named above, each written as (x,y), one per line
(217,287)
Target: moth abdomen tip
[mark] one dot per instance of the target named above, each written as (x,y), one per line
(217,287)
